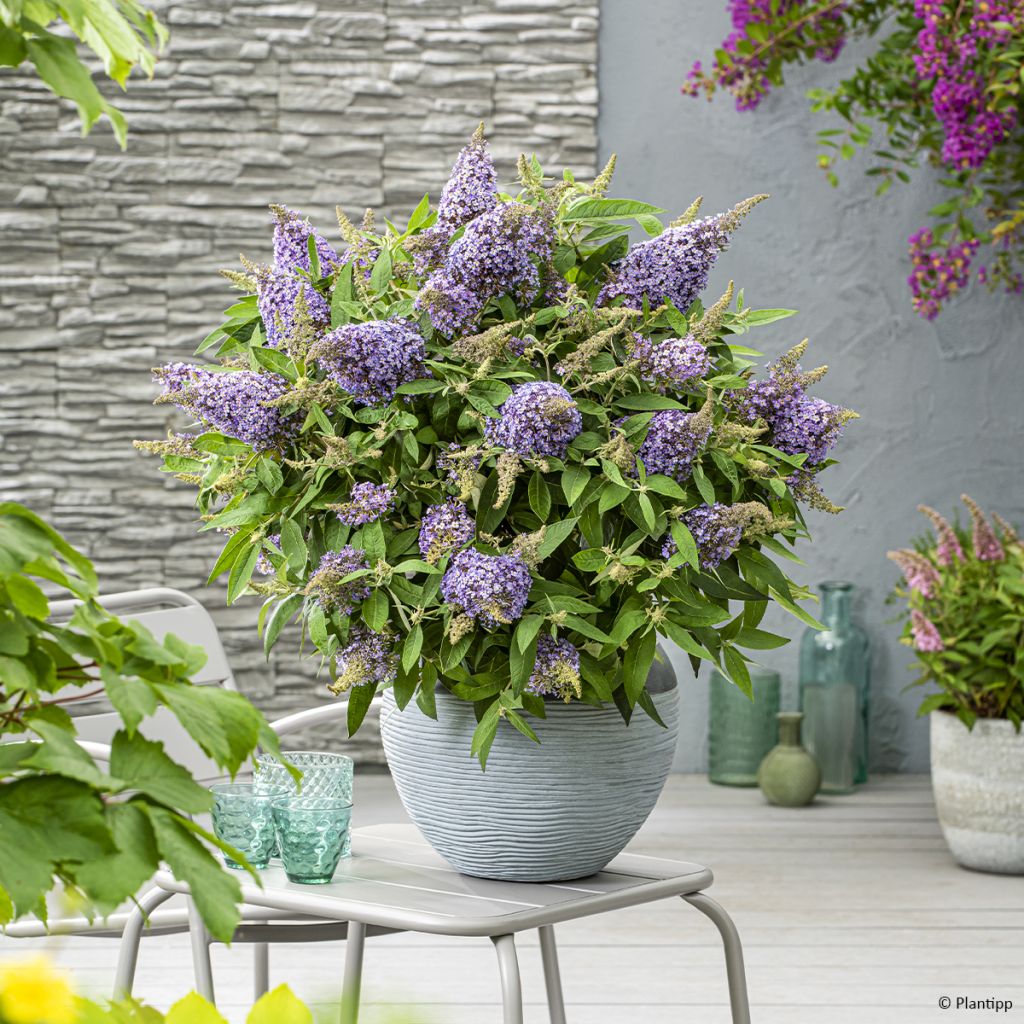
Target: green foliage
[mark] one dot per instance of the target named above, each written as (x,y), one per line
(100,830)
(121,33)
(591,525)
(976,606)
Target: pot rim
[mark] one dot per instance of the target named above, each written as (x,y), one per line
(994,723)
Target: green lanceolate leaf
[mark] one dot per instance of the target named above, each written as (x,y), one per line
(215,891)
(637,664)
(360,698)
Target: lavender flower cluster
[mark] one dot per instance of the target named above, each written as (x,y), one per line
(716,531)
(538,418)
(471,189)
(673,266)
(372,360)
(328,583)
(799,423)
(497,254)
(292,232)
(556,670)
(493,589)
(235,403)
(367,503)
(445,528)
(277,298)
(674,439)
(367,660)
(673,364)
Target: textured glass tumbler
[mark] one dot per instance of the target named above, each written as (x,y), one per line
(323,775)
(243,818)
(741,731)
(311,832)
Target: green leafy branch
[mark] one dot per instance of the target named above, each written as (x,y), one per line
(122,34)
(101,830)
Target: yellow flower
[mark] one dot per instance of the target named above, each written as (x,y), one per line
(32,992)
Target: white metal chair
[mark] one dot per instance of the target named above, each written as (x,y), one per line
(163,610)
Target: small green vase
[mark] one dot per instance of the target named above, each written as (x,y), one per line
(788,775)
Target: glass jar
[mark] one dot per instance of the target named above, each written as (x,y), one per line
(835,680)
(741,730)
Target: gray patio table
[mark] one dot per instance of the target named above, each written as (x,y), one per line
(394,880)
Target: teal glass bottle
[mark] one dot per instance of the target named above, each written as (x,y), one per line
(741,729)
(835,680)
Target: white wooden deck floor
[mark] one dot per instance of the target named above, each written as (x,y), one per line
(851,912)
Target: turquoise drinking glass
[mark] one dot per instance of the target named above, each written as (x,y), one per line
(323,775)
(243,818)
(311,833)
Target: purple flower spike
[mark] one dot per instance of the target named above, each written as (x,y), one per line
(673,364)
(367,503)
(232,403)
(556,671)
(326,583)
(715,531)
(539,418)
(291,244)
(498,254)
(372,360)
(367,660)
(276,295)
(472,188)
(445,528)
(675,265)
(491,588)
(674,439)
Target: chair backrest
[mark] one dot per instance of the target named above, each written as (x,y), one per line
(161,610)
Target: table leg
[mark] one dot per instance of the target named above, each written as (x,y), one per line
(511,983)
(260,969)
(131,936)
(733,954)
(552,975)
(354,943)
(201,939)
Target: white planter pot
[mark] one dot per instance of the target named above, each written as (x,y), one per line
(553,812)
(978,781)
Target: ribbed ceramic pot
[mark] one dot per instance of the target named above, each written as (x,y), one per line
(978,781)
(547,813)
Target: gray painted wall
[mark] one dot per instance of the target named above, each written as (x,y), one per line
(940,403)
(108,261)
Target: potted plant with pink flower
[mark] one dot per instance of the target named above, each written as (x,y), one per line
(489,457)
(965,609)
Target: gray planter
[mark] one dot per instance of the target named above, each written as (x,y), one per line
(553,812)
(978,780)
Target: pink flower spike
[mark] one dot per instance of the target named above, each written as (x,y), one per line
(948,550)
(919,573)
(926,635)
(987,546)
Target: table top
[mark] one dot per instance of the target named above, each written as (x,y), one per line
(394,879)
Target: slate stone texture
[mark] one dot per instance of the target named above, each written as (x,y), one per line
(108,260)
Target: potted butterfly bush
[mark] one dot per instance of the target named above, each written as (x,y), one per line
(489,457)
(965,621)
